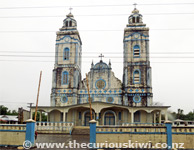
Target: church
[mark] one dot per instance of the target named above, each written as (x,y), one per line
(113,102)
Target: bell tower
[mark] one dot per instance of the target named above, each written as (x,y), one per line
(67,68)
(137,71)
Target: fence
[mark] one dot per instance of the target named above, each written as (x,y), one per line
(143,133)
(54,127)
(15,134)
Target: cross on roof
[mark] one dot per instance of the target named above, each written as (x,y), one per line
(101,56)
(135,5)
(70,9)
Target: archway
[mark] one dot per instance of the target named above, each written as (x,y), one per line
(87,117)
(109,118)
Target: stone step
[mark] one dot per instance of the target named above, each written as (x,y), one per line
(81,130)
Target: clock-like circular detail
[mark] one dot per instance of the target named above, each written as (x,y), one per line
(136,36)
(137,99)
(109,99)
(67,39)
(100,84)
(64,99)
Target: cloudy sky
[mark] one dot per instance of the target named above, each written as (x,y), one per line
(27,44)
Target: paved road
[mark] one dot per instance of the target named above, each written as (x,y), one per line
(60,138)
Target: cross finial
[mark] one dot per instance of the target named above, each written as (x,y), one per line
(70,9)
(135,4)
(101,56)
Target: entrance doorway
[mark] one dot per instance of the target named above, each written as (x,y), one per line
(87,118)
(109,118)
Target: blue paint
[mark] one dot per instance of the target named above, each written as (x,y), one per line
(136,101)
(102,81)
(92,133)
(108,101)
(104,132)
(65,77)
(136,33)
(136,47)
(119,115)
(169,135)
(137,71)
(66,53)
(109,118)
(64,99)
(80,115)
(12,130)
(68,37)
(30,132)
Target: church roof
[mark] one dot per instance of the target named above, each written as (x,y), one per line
(100,65)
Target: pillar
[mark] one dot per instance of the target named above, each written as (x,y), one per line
(132,116)
(169,134)
(64,116)
(31,113)
(92,133)
(40,119)
(160,116)
(30,133)
(97,118)
(47,116)
(166,116)
(154,117)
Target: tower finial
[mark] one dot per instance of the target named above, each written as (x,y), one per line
(101,56)
(135,4)
(70,8)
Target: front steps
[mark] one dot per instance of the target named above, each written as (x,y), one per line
(81,130)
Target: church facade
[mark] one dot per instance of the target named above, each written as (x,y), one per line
(113,101)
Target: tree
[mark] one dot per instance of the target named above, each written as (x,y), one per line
(3,110)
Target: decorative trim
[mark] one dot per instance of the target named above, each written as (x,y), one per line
(101,80)
(62,99)
(139,76)
(65,73)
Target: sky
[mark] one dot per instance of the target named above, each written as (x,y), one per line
(28,34)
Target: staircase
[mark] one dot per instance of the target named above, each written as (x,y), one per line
(81,130)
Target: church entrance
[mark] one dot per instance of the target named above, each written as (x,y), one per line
(109,118)
(87,118)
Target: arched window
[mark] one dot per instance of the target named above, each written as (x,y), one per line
(65,77)
(70,23)
(66,23)
(136,77)
(133,20)
(66,54)
(137,19)
(136,51)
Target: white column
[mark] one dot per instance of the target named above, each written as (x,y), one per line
(160,116)
(40,119)
(97,119)
(166,116)
(132,116)
(154,117)
(47,116)
(64,116)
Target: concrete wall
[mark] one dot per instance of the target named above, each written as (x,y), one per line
(146,134)
(12,135)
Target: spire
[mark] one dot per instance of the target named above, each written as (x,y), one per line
(135,19)
(109,63)
(92,65)
(69,23)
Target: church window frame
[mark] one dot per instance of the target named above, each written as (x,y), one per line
(66,23)
(65,77)
(133,19)
(64,99)
(66,53)
(136,51)
(136,76)
(109,99)
(70,23)
(98,82)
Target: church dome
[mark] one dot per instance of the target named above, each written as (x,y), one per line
(101,65)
